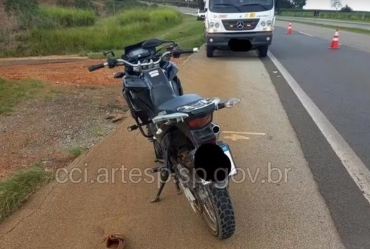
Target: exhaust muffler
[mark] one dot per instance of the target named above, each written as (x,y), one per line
(217,130)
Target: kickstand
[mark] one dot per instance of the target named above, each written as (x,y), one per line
(164,175)
(157,197)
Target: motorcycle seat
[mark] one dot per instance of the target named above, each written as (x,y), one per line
(171,105)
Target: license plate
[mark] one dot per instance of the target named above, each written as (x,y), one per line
(227,152)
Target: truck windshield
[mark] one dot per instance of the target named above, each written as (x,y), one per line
(232,6)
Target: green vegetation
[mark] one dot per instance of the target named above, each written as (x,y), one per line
(189,33)
(67,17)
(350,16)
(115,32)
(65,29)
(123,5)
(75,151)
(176,3)
(14,7)
(12,92)
(17,187)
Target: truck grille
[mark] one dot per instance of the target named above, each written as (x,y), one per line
(240,24)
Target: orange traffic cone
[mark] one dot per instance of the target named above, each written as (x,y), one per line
(289,31)
(335,41)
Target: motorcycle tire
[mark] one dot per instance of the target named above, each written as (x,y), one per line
(222,207)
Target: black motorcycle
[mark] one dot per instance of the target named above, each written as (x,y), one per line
(180,127)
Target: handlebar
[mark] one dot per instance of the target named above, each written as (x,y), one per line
(220,106)
(96,67)
(175,53)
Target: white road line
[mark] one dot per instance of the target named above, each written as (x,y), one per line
(303,33)
(355,167)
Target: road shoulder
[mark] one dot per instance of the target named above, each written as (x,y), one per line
(348,207)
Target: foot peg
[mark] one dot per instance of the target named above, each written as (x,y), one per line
(132,127)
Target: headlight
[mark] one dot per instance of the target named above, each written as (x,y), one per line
(217,25)
(263,23)
(269,23)
(211,24)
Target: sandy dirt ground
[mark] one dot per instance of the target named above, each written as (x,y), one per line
(77,211)
(72,112)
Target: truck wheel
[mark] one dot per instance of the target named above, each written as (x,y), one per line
(262,51)
(210,51)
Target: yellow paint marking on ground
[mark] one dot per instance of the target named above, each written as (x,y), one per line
(236,137)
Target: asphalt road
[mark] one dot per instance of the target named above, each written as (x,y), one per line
(338,83)
(340,23)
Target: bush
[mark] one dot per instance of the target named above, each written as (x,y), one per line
(64,3)
(113,33)
(83,4)
(23,11)
(19,186)
(123,5)
(67,17)
(14,7)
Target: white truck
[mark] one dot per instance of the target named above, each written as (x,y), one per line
(238,25)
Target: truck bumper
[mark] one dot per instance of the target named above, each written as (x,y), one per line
(221,40)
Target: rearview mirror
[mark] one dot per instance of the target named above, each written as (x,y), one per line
(105,53)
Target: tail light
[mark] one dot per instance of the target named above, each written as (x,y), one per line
(200,122)
(213,141)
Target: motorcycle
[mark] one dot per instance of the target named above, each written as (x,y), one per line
(181,128)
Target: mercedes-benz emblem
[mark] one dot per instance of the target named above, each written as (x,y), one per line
(240,25)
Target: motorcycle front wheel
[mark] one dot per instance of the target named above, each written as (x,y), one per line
(218,213)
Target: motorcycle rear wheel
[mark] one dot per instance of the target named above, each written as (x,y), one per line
(218,213)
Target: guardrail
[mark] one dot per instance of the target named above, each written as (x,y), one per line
(182,3)
(323,14)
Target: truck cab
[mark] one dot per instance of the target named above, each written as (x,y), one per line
(238,25)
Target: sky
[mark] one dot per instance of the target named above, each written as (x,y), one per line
(359,5)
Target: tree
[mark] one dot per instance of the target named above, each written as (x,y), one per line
(337,4)
(346,9)
(289,4)
(299,3)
